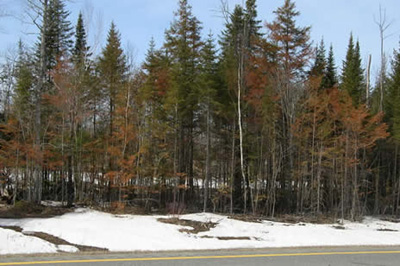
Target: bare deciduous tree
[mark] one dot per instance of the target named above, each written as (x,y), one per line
(383,25)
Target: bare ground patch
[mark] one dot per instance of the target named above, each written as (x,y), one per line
(339,227)
(387,230)
(228,237)
(197,226)
(13,227)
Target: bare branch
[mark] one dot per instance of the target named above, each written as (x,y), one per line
(382,23)
(224,10)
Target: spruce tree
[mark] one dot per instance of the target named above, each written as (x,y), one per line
(80,50)
(113,70)
(233,32)
(183,43)
(148,90)
(232,46)
(208,93)
(58,31)
(252,23)
(352,73)
(393,106)
(23,100)
(319,67)
(79,75)
(329,79)
(51,18)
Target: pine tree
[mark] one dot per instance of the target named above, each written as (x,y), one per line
(330,78)
(352,73)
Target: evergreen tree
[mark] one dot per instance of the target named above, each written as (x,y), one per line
(208,93)
(183,43)
(230,43)
(51,18)
(352,73)
(252,23)
(113,70)
(330,77)
(231,64)
(209,67)
(152,98)
(57,31)
(393,106)
(319,67)
(80,50)
(23,92)
(24,80)
(149,89)
(233,32)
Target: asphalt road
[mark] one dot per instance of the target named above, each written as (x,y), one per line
(338,256)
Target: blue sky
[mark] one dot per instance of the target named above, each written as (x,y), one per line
(139,20)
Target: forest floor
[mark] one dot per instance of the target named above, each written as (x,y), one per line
(52,229)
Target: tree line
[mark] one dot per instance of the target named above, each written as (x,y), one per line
(256,121)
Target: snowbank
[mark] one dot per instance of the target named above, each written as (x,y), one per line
(139,233)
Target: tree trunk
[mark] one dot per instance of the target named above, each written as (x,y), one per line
(207,177)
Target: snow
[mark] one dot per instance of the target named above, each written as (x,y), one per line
(145,233)
(67,248)
(51,203)
(12,242)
